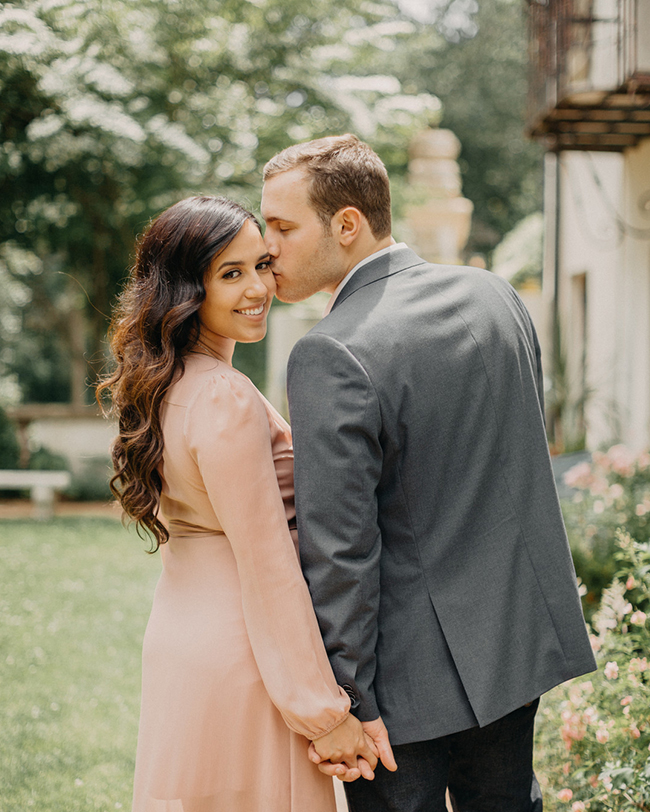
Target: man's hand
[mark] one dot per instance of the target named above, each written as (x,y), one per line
(345,752)
(377,735)
(377,731)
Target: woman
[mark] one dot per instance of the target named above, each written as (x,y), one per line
(235,676)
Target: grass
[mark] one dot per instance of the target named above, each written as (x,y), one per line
(75,595)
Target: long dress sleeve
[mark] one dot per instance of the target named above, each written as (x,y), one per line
(228,433)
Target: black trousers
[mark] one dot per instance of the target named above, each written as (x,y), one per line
(488,769)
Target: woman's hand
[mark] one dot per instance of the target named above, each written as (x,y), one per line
(377,738)
(346,752)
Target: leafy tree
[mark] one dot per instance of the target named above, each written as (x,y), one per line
(113,110)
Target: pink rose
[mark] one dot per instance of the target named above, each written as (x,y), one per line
(565,795)
(599,486)
(590,715)
(602,735)
(579,476)
(638,618)
(630,583)
(611,670)
(622,460)
(578,806)
(643,460)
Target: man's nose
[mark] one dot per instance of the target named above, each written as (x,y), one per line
(271,244)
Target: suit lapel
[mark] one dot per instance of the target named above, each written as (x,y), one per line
(379,268)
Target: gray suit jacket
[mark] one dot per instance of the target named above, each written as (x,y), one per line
(430,530)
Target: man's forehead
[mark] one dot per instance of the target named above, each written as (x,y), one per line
(284,191)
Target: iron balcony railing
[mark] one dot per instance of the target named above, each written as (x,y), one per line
(589,82)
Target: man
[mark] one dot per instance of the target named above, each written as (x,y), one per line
(430,530)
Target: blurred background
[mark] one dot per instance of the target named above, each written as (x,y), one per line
(516,135)
(517,138)
(112,110)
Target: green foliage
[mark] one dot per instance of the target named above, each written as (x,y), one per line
(613,491)
(594,733)
(91,483)
(251,360)
(114,110)
(75,596)
(42,459)
(518,257)
(9,448)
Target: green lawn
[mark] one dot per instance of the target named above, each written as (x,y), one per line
(75,595)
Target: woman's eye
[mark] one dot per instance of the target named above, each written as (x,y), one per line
(264,266)
(231,274)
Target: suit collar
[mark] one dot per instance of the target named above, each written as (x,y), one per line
(379,268)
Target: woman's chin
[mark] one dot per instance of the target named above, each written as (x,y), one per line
(251,337)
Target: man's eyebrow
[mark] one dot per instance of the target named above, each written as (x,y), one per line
(268,220)
(241,261)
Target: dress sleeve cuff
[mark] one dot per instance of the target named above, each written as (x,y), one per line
(336,716)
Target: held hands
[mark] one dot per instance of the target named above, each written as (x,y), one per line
(345,752)
(351,750)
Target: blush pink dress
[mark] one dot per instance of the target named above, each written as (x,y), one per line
(235,675)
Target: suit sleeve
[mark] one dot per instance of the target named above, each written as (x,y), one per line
(228,433)
(336,424)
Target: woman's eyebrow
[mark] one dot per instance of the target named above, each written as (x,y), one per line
(241,261)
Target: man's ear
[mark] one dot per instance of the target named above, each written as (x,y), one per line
(347,224)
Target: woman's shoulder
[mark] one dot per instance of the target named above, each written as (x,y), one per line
(213,383)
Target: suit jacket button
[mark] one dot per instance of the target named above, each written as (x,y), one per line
(349,690)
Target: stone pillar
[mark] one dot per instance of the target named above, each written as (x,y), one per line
(439,223)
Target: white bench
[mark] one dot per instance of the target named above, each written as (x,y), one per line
(41,484)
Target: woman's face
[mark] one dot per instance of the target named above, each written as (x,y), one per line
(239,288)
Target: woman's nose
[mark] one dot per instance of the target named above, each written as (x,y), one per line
(257,288)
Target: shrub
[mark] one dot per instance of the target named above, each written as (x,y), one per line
(613,491)
(91,483)
(594,732)
(42,459)
(9,448)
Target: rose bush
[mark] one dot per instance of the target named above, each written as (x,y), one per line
(612,492)
(594,733)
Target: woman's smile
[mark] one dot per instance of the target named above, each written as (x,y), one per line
(252,311)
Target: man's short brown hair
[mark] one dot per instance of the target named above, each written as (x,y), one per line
(343,172)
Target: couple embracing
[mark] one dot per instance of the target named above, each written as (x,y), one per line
(394,621)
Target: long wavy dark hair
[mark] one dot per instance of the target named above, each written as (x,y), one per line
(154,322)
